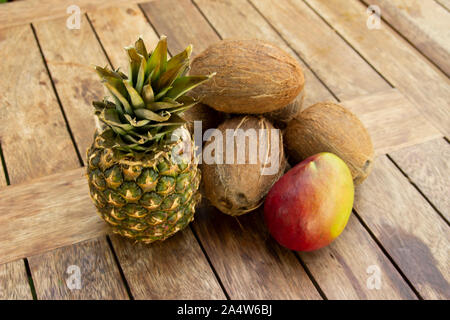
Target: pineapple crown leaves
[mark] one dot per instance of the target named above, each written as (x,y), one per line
(147,103)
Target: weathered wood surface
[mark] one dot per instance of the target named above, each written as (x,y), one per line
(324,51)
(14,281)
(71,56)
(84,270)
(409,229)
(45,214)
(33,134)
(120,27)
(173,269)
(393,57)
(249,262)
(427,166)
(392,120)
(23,12)
(2,177)
(347,268)
(444,3)
(426,24)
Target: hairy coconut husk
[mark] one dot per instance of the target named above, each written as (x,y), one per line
(209,117)
(236,189)
(328,127)
(253,76)
(282,116)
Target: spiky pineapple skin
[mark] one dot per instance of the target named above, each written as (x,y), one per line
(145,197)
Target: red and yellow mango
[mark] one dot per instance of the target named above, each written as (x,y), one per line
(310,205)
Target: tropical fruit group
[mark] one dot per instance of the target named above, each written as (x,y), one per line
(142,177)
(310,205)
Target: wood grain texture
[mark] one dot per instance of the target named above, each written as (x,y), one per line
(238,19)
(126,23)
(23,12)
(249,262)
(427,166)
(341,269)
(193,28)
(45,214)
(444,3)
(33,134)
(71,56)
(14,281)
(426,24)
(412,74)
(173,269)
(392,120)
(324,51)
(55,273)
(2,177)
(409,229)
(182,23)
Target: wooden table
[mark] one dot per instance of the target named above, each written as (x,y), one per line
(394,78)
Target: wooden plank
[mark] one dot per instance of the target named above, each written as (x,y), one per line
(408,228)
(45,214)
(173,269)
(427,166)
(444,3)
(352,269)
(426,24)
(2,177)
(230,253)
(392,120)
(325,52)
(85,270)
(23,12)
(33,134)
(106,22)
(70,56)
(393,57)
(192,278)
(249,262)
(14,281)
(238,19)
(181,23)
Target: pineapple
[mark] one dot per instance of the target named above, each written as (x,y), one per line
(139,180)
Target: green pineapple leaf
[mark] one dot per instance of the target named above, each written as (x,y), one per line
(184,84)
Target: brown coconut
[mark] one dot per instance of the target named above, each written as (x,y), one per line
(236,189)
(328,127)
(282,116)
(209,117)
(253,76)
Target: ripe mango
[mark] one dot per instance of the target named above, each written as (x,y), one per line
(310,205)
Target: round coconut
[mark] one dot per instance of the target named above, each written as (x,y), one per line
(328,127)
(282,116)
(240,166)
(252,76)
(209,117)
